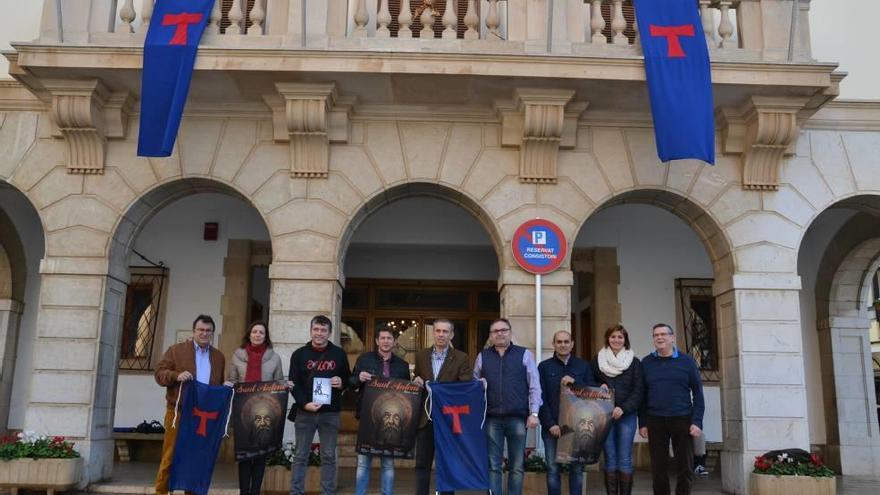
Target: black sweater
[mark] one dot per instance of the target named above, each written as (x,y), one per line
(307,363)
(672,388)
(628,386)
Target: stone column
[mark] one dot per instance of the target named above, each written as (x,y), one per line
(299,292)
(851,417)
(518,305)
(763,393)
(10,315)
(73,379)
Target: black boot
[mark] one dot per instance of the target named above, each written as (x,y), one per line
(625,481)
(611,482)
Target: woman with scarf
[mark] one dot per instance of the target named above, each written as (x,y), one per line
(253,361)
(617,367)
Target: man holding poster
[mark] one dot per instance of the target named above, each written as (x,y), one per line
(322,364)
(380,363)
(560,370)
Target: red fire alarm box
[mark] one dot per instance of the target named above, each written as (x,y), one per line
(212,231)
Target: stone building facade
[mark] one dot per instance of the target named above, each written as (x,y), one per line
(317,129)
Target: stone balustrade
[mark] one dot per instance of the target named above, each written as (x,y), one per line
(736,30)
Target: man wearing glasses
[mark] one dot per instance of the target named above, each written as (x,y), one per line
(672,410)
(190,360)
(513,393)
(438,363)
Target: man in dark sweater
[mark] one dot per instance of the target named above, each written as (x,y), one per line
(318,359)
(560,370)
(672,410)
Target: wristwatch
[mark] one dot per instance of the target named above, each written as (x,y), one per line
(534,414)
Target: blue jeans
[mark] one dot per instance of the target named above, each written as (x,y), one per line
(513,430)
(327,426)
(619,444)
(362,478)
(554,483)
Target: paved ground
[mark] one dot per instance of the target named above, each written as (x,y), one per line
(136,478)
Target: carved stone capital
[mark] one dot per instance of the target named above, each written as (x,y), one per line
(762,131)
(309,116)
(85,114)
(539,121)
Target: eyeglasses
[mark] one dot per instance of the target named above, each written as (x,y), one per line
(499,330)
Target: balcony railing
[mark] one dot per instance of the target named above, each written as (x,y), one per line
(601,21)
(736,30)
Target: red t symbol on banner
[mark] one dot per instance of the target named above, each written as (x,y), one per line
(182,21)
(456,411)
(671,33)
(203,416)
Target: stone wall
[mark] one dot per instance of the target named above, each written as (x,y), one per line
(751,237)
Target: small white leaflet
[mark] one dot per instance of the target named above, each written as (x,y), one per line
(321,391)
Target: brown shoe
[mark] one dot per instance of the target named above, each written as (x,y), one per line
(611,482)
(625,481)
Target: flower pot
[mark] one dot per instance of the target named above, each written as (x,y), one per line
(46,474)
(277,479)
(768,484)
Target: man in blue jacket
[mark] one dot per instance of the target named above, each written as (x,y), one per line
(561,370)
(672,410)
(513,396)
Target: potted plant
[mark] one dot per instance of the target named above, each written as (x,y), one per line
(277,477)
(792,471)
(34,461)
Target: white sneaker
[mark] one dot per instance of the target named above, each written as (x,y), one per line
(701,471)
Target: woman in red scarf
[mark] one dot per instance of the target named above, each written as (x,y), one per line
(254,361)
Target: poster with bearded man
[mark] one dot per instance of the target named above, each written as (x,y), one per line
(584,418)
(390,415)
(258,410)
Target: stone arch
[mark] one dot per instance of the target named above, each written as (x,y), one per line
(17,295)
(720,250)
(843,318)
(413,189)
(138,213)
(699,218)
(113,295)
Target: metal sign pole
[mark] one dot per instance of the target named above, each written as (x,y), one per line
(539,444)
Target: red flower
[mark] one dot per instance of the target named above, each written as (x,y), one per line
(762,464)
(815,459)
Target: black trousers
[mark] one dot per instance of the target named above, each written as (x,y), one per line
(424,460)
(250,475)
(662,430)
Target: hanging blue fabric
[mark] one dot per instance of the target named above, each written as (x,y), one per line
(169,55)
(458,410)
(204,417)
(679,79)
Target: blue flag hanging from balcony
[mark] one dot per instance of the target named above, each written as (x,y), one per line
(679,79)
(169,54)
(201,424)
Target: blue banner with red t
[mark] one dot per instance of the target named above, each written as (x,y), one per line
(679,79)
(169,55)
(201,424)
(458,410)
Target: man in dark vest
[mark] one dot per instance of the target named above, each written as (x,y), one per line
(513,393)
(438,363)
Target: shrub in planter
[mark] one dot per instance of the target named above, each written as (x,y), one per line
(28,460)
(792,471)
(277,477)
